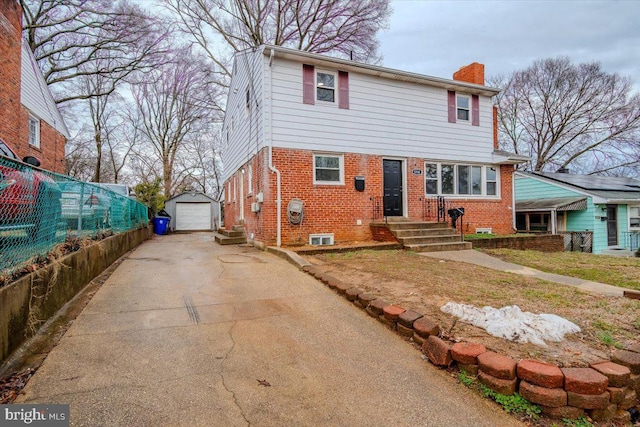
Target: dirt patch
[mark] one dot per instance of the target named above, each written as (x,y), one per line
(425,284)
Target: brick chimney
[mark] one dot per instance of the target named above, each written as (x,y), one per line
(10,70)
(472,73)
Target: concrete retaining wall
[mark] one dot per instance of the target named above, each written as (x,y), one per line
(31,300)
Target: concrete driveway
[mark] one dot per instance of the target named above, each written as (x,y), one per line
(184,331)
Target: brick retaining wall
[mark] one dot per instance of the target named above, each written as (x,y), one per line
(542,243)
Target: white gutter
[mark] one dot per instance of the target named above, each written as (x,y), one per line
(271,167)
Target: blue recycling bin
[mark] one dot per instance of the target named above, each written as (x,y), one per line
(161,225)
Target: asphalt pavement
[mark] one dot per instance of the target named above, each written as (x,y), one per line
(188,332)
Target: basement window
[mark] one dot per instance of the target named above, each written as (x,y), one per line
(321,239)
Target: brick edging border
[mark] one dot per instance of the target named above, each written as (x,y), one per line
(605,390)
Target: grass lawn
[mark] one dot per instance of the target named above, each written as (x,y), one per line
(425,284)
(617,271)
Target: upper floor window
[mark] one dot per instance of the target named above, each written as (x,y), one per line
(454,179)
(462,107)
(325,86)
(328,169)
(465,108)
(34,132)
(634,217)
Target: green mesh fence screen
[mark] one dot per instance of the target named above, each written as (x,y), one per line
(40,209)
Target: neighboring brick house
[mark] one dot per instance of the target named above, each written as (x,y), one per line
(30,122)
(356,143)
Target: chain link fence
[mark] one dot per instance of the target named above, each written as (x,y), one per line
(40,209)
(578,241)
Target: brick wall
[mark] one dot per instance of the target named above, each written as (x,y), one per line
(10,46)
(337,208)
(543,243)
(52,143)
(14,117)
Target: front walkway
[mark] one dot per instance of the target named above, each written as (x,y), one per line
(188,332)
(488,261)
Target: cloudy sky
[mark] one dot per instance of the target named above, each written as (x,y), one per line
(437,37)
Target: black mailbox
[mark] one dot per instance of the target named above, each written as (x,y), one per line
(455,213)
(359,182)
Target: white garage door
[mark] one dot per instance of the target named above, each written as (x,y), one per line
(193,216)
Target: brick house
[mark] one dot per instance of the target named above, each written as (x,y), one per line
(30,122)
(349,144)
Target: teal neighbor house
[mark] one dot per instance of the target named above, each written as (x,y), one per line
(595,213)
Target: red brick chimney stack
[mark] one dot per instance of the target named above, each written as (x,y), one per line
(472,73)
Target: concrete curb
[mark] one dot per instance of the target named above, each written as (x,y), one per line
(290,256)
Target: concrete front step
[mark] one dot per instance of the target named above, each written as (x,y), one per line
(423,240)
(233,233)
(238,228)
(412,232)
(416,225)
(438,247)
(225,240)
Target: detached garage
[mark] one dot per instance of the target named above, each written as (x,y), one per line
(193,212)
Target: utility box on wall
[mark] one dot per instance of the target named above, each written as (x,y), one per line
(359,183)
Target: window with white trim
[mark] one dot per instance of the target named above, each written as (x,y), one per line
(328,169)
(460,179)
(34,131)
(326,83)
(634,217)
(250,179)
(463,106)
(321,239)
(235,187)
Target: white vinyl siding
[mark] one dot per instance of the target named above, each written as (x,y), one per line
(35,94)
(385,117)
(244,127)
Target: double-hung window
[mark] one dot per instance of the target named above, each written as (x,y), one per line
(34,132)
(463,180)
(462,107)
(328,169)
(634,217)
(325,86)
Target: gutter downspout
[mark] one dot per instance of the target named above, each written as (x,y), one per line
(513,200)
(271,167)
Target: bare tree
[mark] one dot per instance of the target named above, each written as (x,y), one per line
(176,104)
(563,114)
(78,38)
(342,27)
